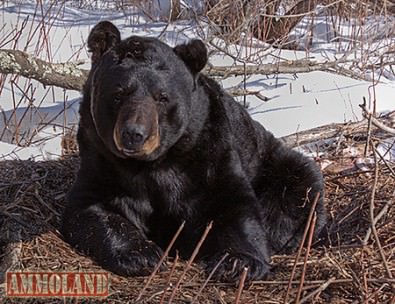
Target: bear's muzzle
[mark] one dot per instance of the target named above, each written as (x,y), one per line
(136,131)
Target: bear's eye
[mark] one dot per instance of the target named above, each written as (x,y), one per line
(117,97)
(163,98)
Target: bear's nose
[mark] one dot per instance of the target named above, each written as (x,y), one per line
(133,136)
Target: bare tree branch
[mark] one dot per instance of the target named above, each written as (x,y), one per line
(335,130)
(285,67)
(69,76)
(234,91)
(321,133)
(64,75)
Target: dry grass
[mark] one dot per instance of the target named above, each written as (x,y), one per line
(341,269)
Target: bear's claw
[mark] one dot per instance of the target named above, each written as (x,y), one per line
(231,268)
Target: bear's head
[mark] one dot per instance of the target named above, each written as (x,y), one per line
(141,91)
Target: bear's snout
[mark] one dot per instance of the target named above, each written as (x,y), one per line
(136,131)
(133,136)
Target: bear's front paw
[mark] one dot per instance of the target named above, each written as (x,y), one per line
(137,258)
(231,268)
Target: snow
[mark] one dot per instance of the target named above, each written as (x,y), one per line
(33,117)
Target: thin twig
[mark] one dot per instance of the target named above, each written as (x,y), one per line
(209,277)
(371,213)
(164,255)
(297,282)
(306,257)
(369,117)
(318,290)
(385,161)
(235,91)
(374,294)
(168,283)
(219,296)
(190,261)
(241,285)
(382,212)
(306,229)
(317,282)
(383,127)
(367,114)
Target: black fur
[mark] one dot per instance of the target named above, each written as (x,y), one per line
(194,55)
(213,163)
(103,36)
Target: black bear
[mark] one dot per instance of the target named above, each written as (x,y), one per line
(161,143)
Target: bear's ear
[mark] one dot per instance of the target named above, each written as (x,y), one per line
(102,37)
(194,54)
